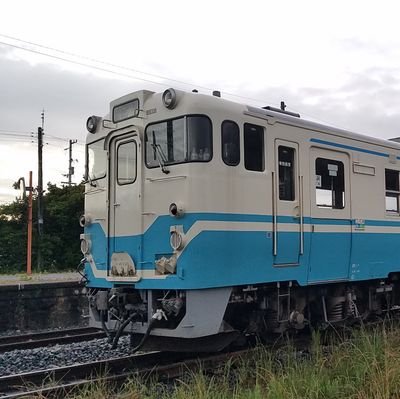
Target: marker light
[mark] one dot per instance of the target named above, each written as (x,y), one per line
(169,98)
(176,240)
(85,246)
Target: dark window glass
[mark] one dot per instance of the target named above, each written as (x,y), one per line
(329,183)
(186,139)
(253,147)
(230,143)
(126,163)
(392,180)
(199,138)
(392,191)
(286,173)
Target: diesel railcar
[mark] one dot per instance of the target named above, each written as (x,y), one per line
(208,220)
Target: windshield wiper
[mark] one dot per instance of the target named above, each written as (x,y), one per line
(159,154)
(91,182)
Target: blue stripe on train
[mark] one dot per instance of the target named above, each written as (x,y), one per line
(224,258)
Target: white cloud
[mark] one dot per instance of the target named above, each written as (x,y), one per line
(336,62)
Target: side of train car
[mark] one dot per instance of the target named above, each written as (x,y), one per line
(206,219)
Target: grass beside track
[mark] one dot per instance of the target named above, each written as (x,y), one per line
(366,366)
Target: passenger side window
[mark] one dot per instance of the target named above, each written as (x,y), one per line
(392,191)
(329,183)
(253,147)
(126,163)
(230,143)
(286,173)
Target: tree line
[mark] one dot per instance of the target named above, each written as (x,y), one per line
(59,246)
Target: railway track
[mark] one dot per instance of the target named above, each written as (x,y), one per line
(36,340)
(58,382)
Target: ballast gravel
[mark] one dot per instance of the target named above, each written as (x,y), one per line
(26,360)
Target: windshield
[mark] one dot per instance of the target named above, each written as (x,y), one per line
(185,139)
(97,161)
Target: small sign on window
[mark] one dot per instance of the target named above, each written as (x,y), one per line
(318,181)
(333,167)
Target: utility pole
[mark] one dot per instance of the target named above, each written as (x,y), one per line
(40,189)
(29,243)
(71,169)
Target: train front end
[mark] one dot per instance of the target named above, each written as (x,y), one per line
(148,168)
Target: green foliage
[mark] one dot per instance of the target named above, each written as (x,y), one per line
(60,241)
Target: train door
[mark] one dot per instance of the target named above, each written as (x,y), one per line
(330,221)
(124,204)
(287,207)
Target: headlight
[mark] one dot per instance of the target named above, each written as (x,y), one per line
(176,240)
(169,98)
(91,123)
(85,221)
(176,209)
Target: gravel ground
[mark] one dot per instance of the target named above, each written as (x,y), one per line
(26,360)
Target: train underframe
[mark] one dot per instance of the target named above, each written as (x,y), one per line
(210,320)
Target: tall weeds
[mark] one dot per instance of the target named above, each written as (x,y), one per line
(365,366)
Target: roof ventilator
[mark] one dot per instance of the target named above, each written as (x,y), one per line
(282,110)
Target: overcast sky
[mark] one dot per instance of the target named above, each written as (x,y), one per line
(333,62)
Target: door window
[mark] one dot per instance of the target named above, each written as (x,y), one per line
(329,183)
(126,163)
(286,173)
(392,191)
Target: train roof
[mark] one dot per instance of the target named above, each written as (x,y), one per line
(270,114)
(307,124)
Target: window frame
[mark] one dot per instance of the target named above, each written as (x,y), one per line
(246,124)
(292,170)
(87,179)
(395,194)
(185,141)
(117,162)
(222,142)
(135,115)
(321,206)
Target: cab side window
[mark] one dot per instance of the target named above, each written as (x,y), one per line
(230,143)
(253,147)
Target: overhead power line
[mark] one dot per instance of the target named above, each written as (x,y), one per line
(103,69)
(15,135)
(130,69)
(14,131)
(81,63)
(102,62)
(9,140)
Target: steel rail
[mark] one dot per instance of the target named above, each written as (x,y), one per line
(35,340)
(58,382)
